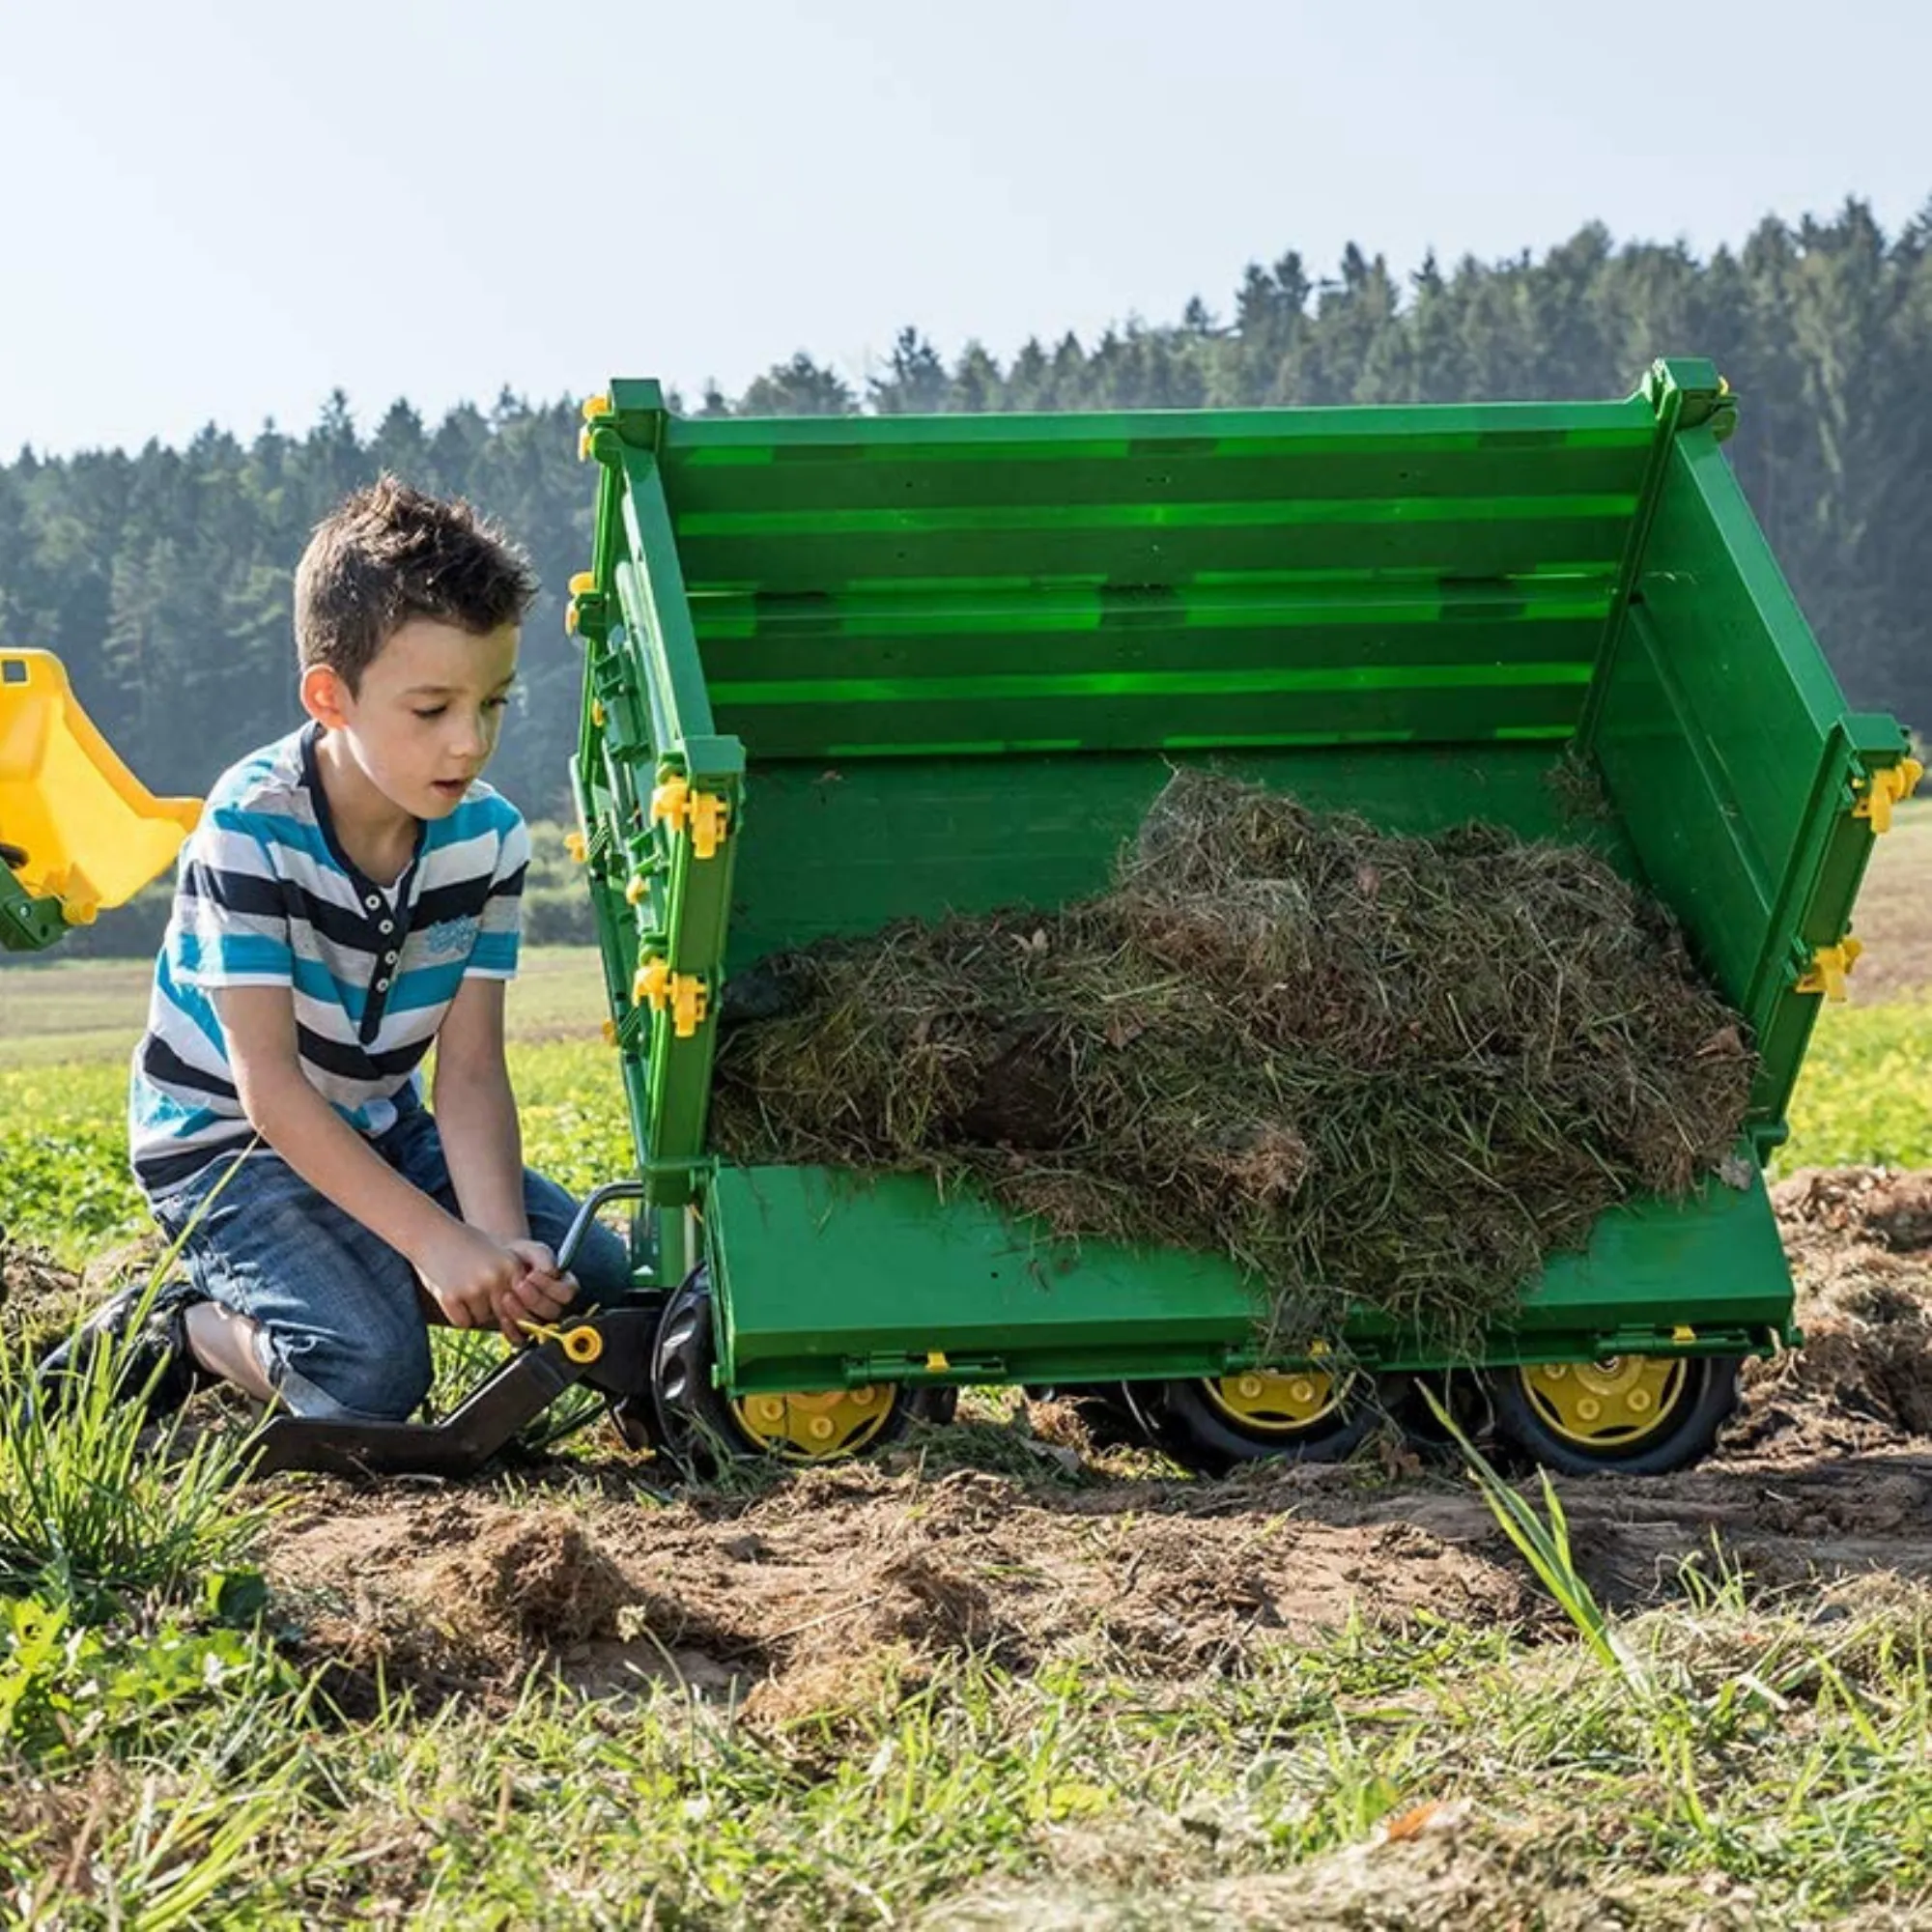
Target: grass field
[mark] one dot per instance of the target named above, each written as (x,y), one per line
(986,1681)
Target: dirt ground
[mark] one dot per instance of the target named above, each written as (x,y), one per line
(803,1594)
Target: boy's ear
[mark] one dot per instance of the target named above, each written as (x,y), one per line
(324,696)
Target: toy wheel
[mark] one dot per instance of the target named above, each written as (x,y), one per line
(1299,1415)
(700,1425)
(1463,1392)
(1640,1415)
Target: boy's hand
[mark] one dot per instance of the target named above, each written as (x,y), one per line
(551,1293)
(479,1282)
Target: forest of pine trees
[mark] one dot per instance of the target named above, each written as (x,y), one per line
(162,577)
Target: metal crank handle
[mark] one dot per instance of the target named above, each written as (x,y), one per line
(598,1197)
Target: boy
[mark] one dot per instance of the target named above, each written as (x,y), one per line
(349,899)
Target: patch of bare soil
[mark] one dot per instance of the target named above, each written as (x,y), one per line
(40,1301)
(1861,1246)
(809,1595)
(32,1288)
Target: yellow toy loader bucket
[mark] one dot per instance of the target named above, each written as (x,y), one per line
(89,833)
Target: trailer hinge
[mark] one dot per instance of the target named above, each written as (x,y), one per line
(1885,789)
(686,995)
(702,815)
(1831,967)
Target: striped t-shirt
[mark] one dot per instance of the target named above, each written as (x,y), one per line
(265,897)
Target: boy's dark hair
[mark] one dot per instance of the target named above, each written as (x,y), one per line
(388,554)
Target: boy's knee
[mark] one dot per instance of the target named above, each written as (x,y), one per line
(602,1265)
(378,1377)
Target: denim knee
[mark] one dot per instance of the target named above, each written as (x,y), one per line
(377,1376)
(602,1266)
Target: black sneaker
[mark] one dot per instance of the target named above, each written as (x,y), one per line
(155,1364)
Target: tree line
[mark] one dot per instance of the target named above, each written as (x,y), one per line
(162,576)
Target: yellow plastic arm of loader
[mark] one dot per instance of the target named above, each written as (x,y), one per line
(92,833)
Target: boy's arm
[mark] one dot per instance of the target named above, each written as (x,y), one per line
(475,1279)
(477,1113)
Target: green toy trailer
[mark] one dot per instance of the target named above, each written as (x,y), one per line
(841,672)
(844,672)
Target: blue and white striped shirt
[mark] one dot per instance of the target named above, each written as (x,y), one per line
(265,897)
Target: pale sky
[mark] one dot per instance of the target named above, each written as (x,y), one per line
(213,210)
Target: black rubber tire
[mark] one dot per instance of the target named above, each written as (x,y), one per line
(1182,1419)
(1710,1394)
(1463,1392)
(695,1423)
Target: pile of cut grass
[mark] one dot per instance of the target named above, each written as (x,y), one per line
(1370,1070)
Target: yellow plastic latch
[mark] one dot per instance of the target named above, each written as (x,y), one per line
(1682,1335)
(593,408)
(650,984)
(1831,967)
(634,888)
(575,844)
(597,712)
(936,1362)
(581,586)
(690,1000)
(1896,782)
(706,814)
(702,815)
(581,1343)
(687,996)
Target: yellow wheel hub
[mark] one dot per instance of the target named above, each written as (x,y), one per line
(1610,1404)
(1266,1404)
(815,1427)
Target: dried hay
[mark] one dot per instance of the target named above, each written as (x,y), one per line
(1370,1070)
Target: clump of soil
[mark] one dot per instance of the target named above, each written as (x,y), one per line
(40,1301)
(1367,1068)
(446,1595)
(538,1578)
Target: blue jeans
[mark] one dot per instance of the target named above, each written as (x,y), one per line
(344,1334)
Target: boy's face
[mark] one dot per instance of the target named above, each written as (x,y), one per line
(427,716)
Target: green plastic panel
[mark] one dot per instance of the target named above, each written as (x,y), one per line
(823,1282)
(1732,761)
(843,849)
(661,904)
(986,585)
